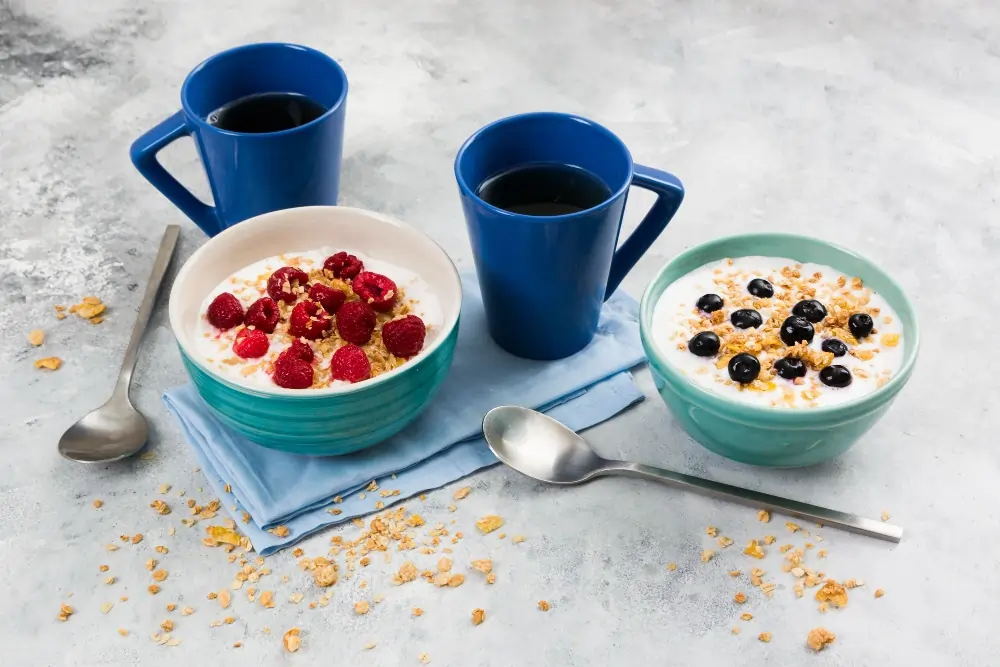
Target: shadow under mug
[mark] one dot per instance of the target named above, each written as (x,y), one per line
(545,278)
(251,174)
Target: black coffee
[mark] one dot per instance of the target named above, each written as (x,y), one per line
(266,112)
(544,189)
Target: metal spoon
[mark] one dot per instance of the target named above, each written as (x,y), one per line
(116,429)
(541,447)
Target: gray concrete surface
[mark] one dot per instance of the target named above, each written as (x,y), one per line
(874,125)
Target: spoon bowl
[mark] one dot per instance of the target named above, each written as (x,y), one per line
(542,448)
(538,446)
(113,431)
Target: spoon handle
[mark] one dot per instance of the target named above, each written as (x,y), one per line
(827,517)
(160,265)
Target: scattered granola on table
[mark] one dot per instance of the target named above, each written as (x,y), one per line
(834,593)
(754,549)
(49,363)
(819,638)
(489,523)
(292,640)
(88,308)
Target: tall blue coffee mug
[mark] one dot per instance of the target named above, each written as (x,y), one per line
(250,174)
(544,278)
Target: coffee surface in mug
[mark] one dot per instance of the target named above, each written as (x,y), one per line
(266,112)
(544,190)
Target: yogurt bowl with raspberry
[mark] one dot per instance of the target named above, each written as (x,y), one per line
(317,330)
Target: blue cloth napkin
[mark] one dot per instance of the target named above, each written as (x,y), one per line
(442,445)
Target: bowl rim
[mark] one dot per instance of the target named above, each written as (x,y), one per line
(264,219)
(845,411)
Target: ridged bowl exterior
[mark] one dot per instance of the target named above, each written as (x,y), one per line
(764,435)
(331,424)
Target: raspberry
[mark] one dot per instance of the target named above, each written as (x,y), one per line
(342,265)
(292,373)
(251,343)
(331,299)
(299,349)
(263,314)
(225,311)
(376,290)
(308,320)
(405,337)
(355,322)
(350,363)
(282,283)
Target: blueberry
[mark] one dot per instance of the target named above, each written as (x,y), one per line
(796,329)
(704,344)
(835,376)
(836,346)
(860,325)
(811,309)
(744,318)
(760,288)
(710,303)
(744,368)
(790,368)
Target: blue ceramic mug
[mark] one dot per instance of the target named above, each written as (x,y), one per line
(250,174)
(545,277)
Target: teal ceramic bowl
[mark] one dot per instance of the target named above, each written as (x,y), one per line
(763,435)
(336,420)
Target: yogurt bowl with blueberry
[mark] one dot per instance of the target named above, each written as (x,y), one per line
(777,349)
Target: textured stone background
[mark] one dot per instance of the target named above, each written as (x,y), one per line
(874,125)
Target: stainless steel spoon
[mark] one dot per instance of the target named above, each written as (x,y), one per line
(116,429)
(541,447)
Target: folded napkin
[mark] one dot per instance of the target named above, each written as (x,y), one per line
(440,446)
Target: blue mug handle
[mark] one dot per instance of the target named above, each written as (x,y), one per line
(143,153)
(671,194)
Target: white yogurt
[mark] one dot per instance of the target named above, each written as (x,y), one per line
(871,361)
(250,283)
